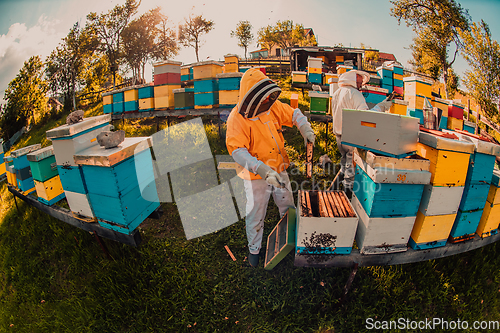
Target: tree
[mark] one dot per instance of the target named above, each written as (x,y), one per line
(166,44)
(284,34)
(25,96)
(191,31)
(436,23)
(482,53)
(66,63)
(109,27)
(244,34)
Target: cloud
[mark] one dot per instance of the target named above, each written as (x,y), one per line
(21,42)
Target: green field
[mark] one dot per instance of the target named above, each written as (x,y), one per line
(56,278)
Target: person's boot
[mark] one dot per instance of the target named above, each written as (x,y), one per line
(253,259)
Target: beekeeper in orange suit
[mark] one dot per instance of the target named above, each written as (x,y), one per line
(255,141)
(348,96)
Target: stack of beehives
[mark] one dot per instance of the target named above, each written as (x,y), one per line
(315,70)
(416,90)
(455,115)
(10,172)
(206,90)
(2,163)
(167,77)
(490,220)
(231,63)
(146,95)
(229,88)
(186,73)
(45,175)
(386,74)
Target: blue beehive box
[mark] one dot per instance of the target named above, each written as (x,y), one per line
(443,123)
(118,97)
(206,99)
(417,114)
(118,107)
(146,92)
(118,181)
(315,78)
(131,106)
(398,83)
(72,178)
(20,156)
(229,81)
(203,86)
(389,87)
(108,108)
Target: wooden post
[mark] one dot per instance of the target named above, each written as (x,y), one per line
(349,282)
(103,246)
(15,201)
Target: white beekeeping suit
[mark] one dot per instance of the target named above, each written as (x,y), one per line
(348,96)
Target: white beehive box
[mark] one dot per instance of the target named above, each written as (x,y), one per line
(68,140)
(79,203)
(380,235)
(440,200)
(323,227)
(388,134)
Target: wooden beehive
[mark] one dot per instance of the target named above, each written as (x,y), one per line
(111,178)
(107,102)
(281,240)
(456,110)
(388,134)
(184,98)
(399,107)
(164,96)
(416,85)
(229,81)
(206,70)
(326,223)
(490,220)
(441,104)
(167,66)
(374,95)
(50,191)
(449,158)
(440,200)
(431,231)
(389,187)
(319,102)
(455,124)
(299,77)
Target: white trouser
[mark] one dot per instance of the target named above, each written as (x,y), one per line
(257,194)
(346,163)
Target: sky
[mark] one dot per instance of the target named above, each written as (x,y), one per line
(29,27)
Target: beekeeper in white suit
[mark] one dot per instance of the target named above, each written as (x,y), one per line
(348,96)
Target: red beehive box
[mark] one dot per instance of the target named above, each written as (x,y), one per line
(167,78)
(456,110)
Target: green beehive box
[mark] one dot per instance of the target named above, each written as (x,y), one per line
(319,102)
(184,98)
(43,164)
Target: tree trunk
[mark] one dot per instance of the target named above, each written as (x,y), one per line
(196,51)
(246,53)
(445,78)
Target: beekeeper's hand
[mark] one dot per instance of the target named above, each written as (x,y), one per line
(307,133)
(270,176)
(384,105)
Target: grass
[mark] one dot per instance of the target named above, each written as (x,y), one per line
(55,278)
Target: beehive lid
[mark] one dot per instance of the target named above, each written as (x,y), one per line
(344,66)
(167,62)
(377,89)
(100,156)
(419,79)
(26,150)
(480,146)
(229,75)
(442,143)
(108,93)
(41,154)
(384,66)
(319,94)
(208,62)
(230,55)
(457,103)
(70,130)
(413,162)
(441,100)
(186,66)
(8,159)
(299,73)
(400,102)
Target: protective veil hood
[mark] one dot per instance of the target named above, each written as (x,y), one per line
(255,88)
(349,78)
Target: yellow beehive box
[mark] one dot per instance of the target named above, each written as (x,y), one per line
(185,70)
(399,107)
(228,97)
(130,95)
(231,59)
(2,168)
(231,68)
(49,189)
(329,76)
(206,69)
(415,101)
(313,70)
(490,220)
(441,104)
(434,228)
(493,195)
(165,90)
(339,58)
(164,102)
(449,159)
(299,77)
(397,77)
(107,99)
(146,103)
(454,123)
(11,178)
(341,69)
(415,85)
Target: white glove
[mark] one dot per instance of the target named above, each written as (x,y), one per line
(307,133)
(384,105)
(270,176)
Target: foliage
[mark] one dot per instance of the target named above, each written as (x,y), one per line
(436,23)
(284,34)
(482,53)
(244,34)
(66,64)
(95,75)
(25,96)
(147,37)
(191,31)
(109,27)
